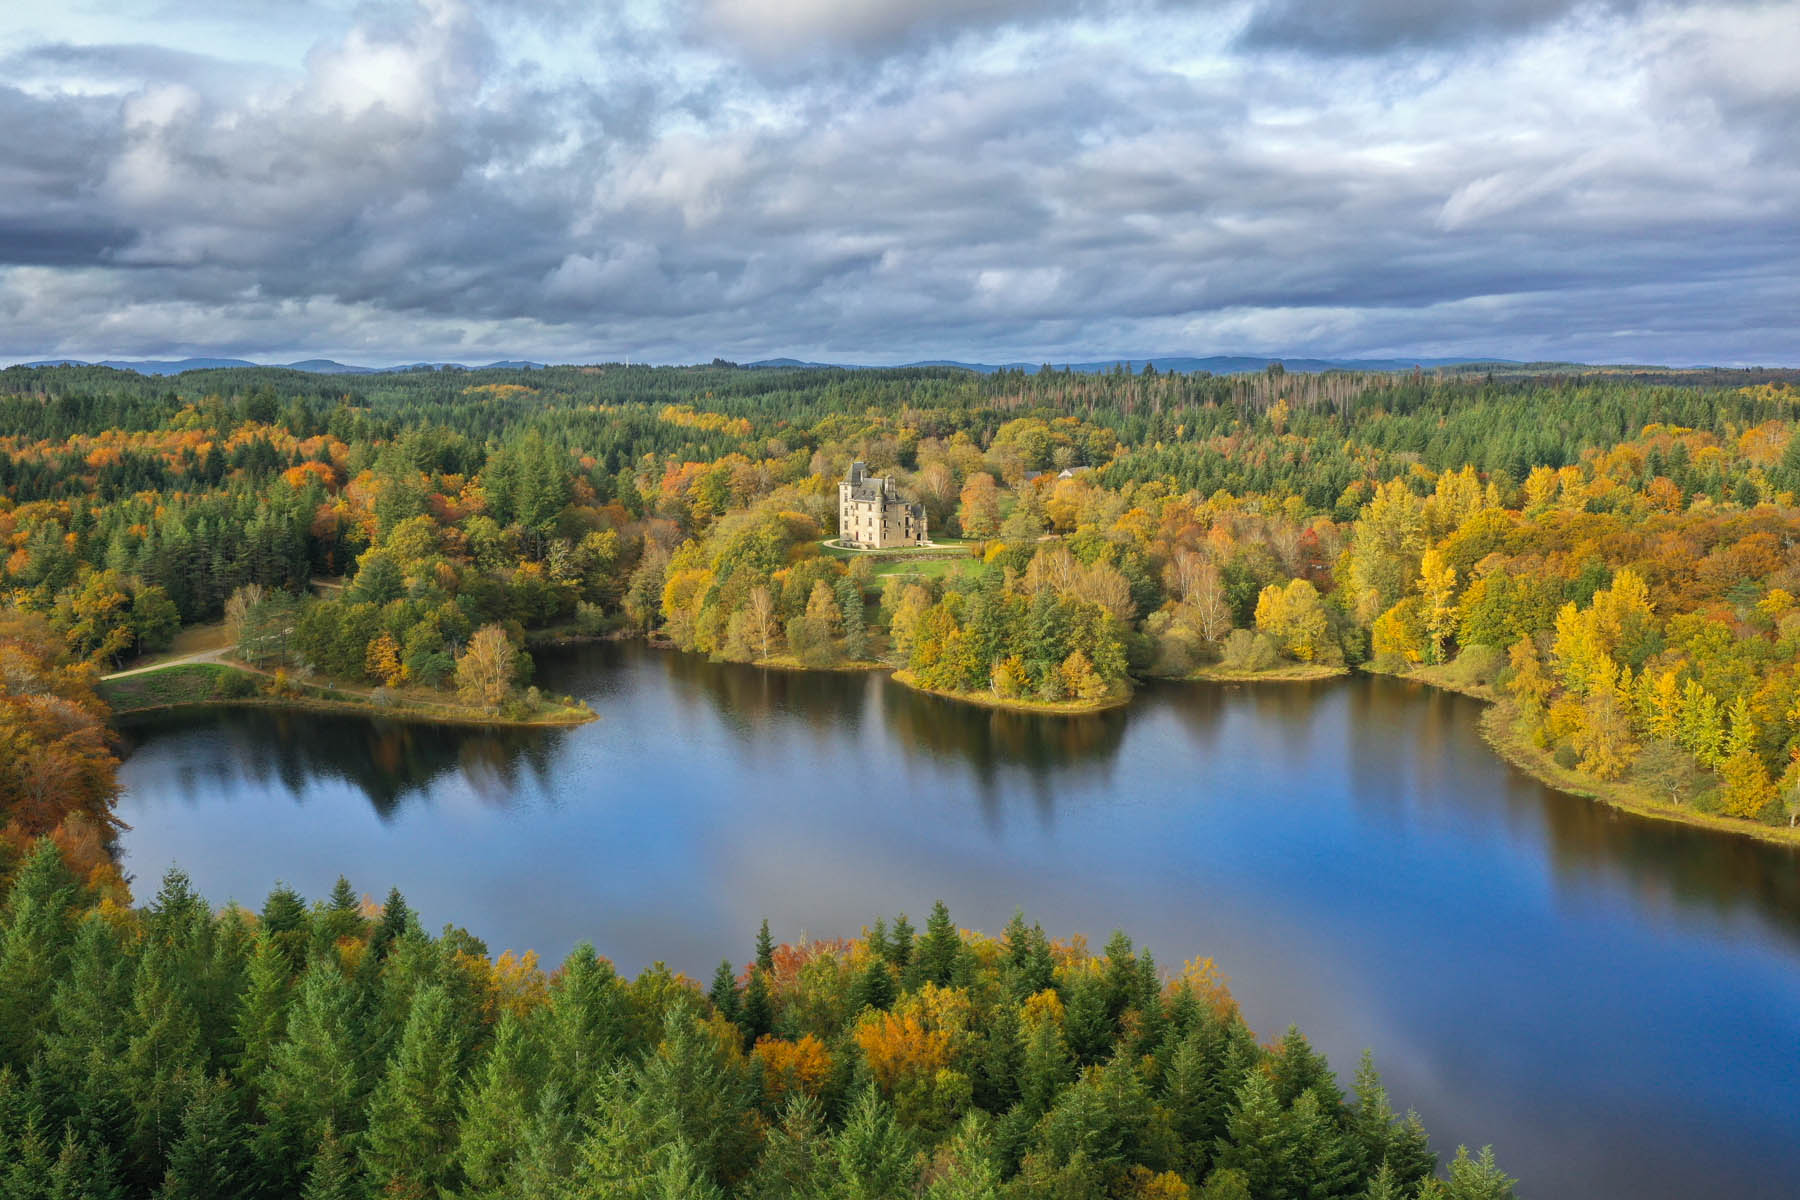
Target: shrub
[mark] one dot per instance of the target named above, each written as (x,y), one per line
(234,685)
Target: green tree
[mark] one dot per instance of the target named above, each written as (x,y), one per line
(410,1146)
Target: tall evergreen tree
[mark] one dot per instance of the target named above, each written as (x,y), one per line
(410,1146)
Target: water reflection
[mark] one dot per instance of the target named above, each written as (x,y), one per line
(388,761)
(1525,962)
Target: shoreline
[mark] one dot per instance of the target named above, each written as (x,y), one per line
(1498,725)
(344,703)
(1049,708)
(1290,673)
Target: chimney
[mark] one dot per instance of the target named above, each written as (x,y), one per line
(857,472)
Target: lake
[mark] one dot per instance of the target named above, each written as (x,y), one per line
(1613,1002)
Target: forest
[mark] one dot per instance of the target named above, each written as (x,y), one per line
(1608,555)
(337,1051)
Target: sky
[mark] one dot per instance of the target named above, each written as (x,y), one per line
(885,181)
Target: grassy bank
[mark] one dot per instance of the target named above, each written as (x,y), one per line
(1057,708)
(1285,673)
(1501,729)
(194,686)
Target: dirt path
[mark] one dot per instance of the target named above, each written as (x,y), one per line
(203,656)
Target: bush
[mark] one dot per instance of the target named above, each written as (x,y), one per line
(1566,758)
(234,685)
(1246,651)
(1476,666)
(590,619)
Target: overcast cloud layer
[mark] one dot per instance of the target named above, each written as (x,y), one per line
(888,180)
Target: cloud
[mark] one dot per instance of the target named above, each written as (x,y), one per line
(994,181)
(1363,26)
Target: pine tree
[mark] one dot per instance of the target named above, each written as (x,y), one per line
(211,1158)
(332,1173)
(872,1153)
(699,1089)
(758,1016)
(1258,1139)
(497,1110)
(396,919)
(793,1160)
(410,1146)
(939,949)
(900,944)
(765,947)
(587,1027)
(35,934)
(724,994)
(314,1083)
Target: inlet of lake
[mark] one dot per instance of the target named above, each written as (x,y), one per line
(1612,1002)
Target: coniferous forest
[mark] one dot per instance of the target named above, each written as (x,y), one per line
(338,1050)
(1606,556)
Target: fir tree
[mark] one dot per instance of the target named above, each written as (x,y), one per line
(872,1154)
(724,993)
(332,1173)
(939,949)
(410,1146)
(587,1027)
(765,947)
(758,1017)
(497,1110)
(35,932)
(793,1160)
(211,1158)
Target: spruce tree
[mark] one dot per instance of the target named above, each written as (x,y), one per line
(586,1028)
(211,1158)
(698,1089)
(765,947)
(939,949)
(724,993)
(332,1172)
(872,1153)
(758,1015)
(410,1146)
(285,921)
(966,1167)
(900,945)
(314,1083)
(35,934)
(262,1011)
(793,1160)
(396,919)
(497,1110)
(856,636)
(1259,1139)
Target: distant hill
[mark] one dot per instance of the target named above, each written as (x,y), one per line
(1218,364)
(312,366)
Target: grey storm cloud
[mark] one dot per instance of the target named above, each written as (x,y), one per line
(873,180)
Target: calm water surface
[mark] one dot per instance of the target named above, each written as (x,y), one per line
(1614,1003)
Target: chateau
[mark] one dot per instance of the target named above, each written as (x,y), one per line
(871,514)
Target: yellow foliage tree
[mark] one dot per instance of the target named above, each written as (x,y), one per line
(1437,598)
(484,671)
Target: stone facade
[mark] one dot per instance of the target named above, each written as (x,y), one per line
(871,514)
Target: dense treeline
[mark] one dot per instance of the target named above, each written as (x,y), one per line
(405,531)
(338,1051)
